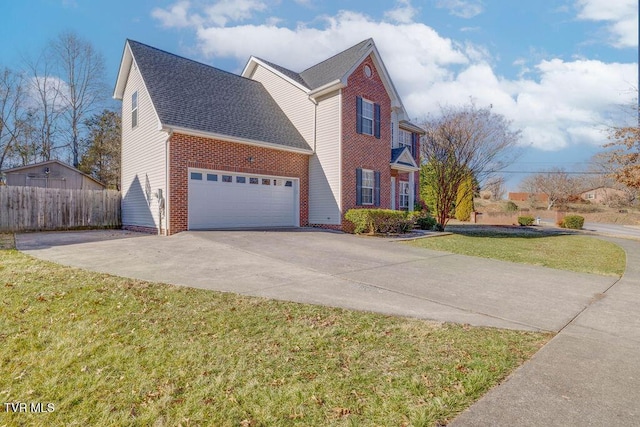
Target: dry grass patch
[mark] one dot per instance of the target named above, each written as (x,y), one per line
(113,351)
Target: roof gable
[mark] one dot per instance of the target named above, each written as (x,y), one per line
(402,159)
(49,162)
(193,96)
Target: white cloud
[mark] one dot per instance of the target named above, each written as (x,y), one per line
(233,10)
(177,16)
(556,103)
(403,13)
(621,16)
(220,13)
(462,8)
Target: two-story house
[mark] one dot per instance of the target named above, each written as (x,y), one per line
(206,149)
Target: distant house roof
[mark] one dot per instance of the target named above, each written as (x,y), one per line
(48,162)
(194,96)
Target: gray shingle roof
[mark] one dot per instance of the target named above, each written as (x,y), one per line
(335,67)
(195,96)
(327,71)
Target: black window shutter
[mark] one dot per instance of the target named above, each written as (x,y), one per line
(358,114)
(376,123)
(414,145)
(376,200)
(358,187)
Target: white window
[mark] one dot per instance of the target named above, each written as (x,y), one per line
(134,109)
(404,139)
(367,117)
(404,195)
(368,182)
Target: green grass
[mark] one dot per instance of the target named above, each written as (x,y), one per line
(566,252)
(113,351)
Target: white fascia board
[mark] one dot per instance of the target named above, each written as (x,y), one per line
(404,168)
(253,62)
(123,72)
(325,89)
(411,127)
(228,138)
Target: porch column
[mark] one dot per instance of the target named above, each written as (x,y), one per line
(412,189)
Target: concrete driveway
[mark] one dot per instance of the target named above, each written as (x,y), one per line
(335,269)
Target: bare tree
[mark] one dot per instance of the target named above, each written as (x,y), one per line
(460,143)
(82,69)
(495,185)
(45,107)
(556,184)
(11,99)
(624,155)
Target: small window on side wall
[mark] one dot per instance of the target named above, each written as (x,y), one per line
(134,109)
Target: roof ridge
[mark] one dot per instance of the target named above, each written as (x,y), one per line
(189,59)
(339,53)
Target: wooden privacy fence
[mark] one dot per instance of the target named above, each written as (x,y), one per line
(36,209)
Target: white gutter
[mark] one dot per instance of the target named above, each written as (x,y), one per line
(174,129)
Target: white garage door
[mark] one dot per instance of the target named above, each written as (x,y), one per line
(219,199)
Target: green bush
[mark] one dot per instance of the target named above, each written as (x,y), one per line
(511,207)
(526,220)
(574,222)
(426,222)
(379,221)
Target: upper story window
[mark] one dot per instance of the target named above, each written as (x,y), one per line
(405,138)
(367,117)
(134,109)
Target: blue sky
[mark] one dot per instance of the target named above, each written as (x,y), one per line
(559,69)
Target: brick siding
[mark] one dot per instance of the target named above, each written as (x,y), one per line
(187,151)
(365,151)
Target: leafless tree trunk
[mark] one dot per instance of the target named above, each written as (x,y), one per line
(82,69)
(11,98)
(46,106)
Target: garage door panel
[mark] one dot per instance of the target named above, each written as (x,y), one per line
(256,202)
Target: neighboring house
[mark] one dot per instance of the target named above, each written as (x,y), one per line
(51,174)
(203,148)
(603,195)
(525,197)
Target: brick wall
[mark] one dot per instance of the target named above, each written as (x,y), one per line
(365,151)
(187,151)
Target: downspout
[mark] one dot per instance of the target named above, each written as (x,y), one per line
(166,183)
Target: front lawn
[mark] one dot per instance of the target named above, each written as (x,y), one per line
(105,350)
(578,253)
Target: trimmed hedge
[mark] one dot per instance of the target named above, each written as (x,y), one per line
(574,222)
(379,221)
(526,220)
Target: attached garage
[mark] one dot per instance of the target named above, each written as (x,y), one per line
(220,199)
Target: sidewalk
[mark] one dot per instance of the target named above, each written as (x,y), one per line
(588,375)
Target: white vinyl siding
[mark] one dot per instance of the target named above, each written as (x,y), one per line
(292,100)
(324,165)
(143,157)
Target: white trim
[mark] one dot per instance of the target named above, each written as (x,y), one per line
(405,157)
(393,193)
(340,201)
(327,88)
(235,139)
(252,64)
